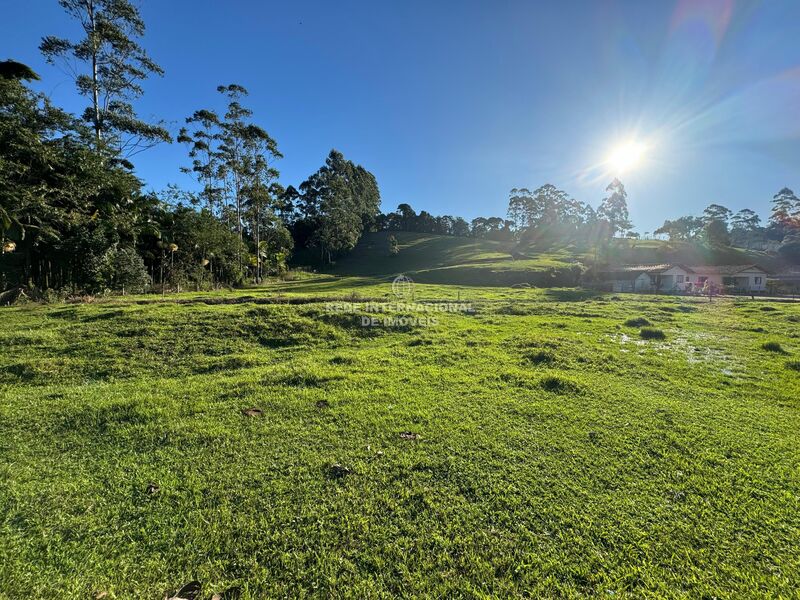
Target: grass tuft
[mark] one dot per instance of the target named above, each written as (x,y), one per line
(559,385)
(773,347)
(541,357)
(794,365)
(650,333)
(637,322)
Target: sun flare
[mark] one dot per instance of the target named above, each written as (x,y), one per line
(626,156)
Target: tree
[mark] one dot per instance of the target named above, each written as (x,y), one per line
(683,228)
(614,208)
(785,217)
(746,228)
(716,233)
(61,204)
(518,207)
(336,204)
(231,150)
(408,217)
(203,150)
(339,224)
(394,248)
(116,65)
(716,212)
(460,227)
(746,220)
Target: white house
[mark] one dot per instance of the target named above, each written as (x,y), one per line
(682,278)
(742,278)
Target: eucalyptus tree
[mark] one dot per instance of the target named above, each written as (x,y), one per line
(785,217)
(717,212)
(614,208)
(108,65)
(203,141)
(232,151)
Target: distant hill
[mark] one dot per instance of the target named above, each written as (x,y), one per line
(433,258)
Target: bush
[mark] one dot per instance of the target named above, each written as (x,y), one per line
(649,333)
(127,271)
(637,322)
(773,347)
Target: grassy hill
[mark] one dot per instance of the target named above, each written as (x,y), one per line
(470,261)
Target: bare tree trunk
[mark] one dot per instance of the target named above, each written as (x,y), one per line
(95,91)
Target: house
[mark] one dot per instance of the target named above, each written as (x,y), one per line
(633,278)
(683,278)
(740,278)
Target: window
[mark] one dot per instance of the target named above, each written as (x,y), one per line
(678,278)
(757,280)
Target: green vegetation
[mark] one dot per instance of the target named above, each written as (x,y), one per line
(651,333)
(527,448)
(773,347)
(637,322)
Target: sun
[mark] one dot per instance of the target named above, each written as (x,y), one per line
(626,156)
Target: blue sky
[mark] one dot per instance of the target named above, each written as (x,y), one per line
(451,104)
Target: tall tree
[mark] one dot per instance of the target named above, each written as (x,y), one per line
(262,192)
(203,143)
(232,148)
(337,203)
(614,208)
(518,207)
(717,212)
(746,220)
(785,217)
(115,64)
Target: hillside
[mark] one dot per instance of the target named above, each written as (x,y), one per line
(470,261)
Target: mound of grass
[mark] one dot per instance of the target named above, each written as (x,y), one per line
(541,357)
(651,333)
(773,347)
(559,385)
(794,365)
(637,322)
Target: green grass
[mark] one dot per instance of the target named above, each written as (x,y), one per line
(441,259)
(528,448)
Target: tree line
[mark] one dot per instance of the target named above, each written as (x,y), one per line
(544,215)
(718,225)
(74,216)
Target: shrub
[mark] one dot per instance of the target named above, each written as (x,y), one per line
(649,333)
(637,322)
(773,347)
(128,271)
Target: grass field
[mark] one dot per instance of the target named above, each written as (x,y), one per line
(551,443)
